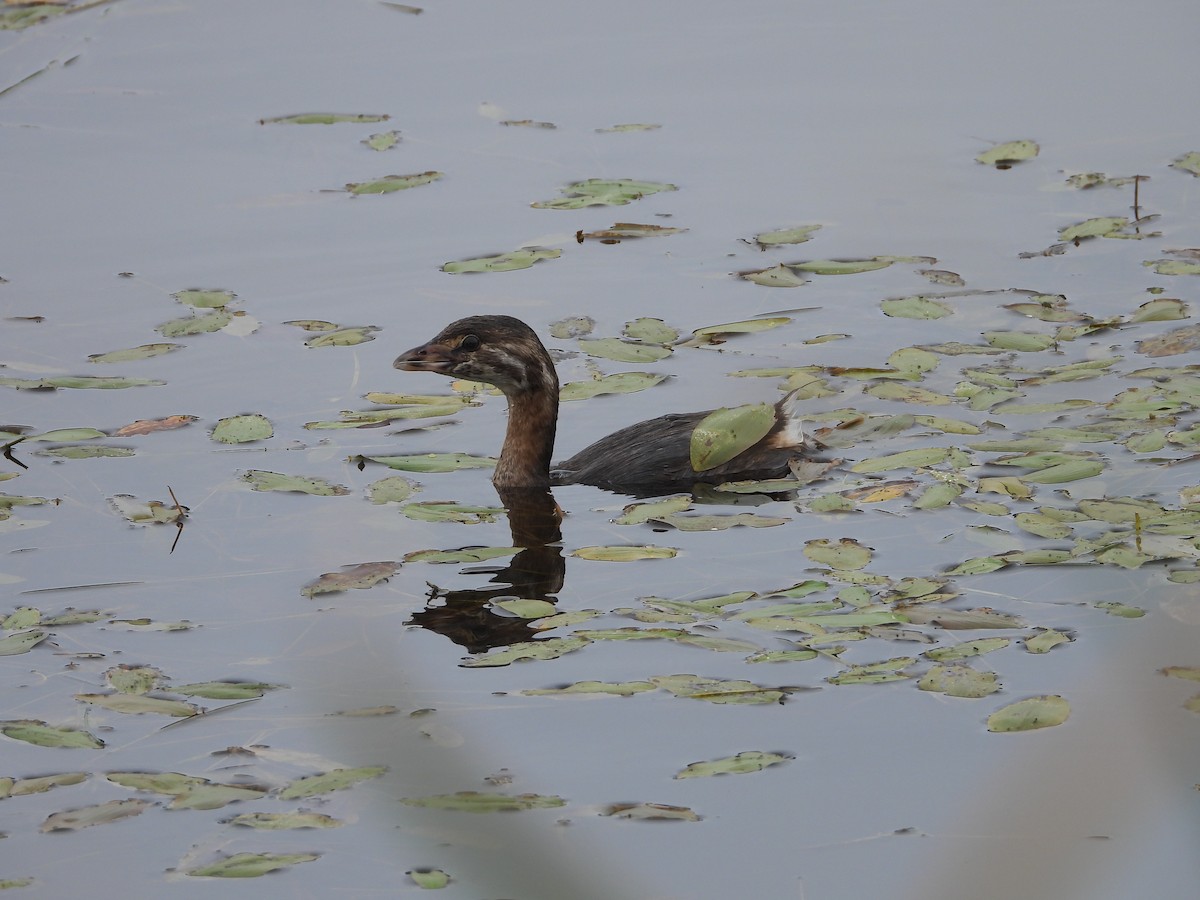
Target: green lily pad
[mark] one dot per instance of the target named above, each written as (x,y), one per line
(551,648)
(1188,162)
(434,462)
(101,814)
(1029,714)
(226,690)
(205,323)
(620,689)
(466,555)
(153,512)
(42,735)
(916,307)
(846,553)
(429,879)
(337,780)
(744,762)
(1064,472)
(653,812)
(21,642)
(637,513)
(602,192)
(384,140)
(625,231)
(1161,309)
(243,429)
(343,337)
(1173,266)
(623,351)
(967,649)
(650,331)
(393,489)
(1022,341)
(527,609)
(1121,610)
(1102,226)
(205,299)
(286,821)
(905,459)
(502,262)
(480,802)
(843,266)
(22,787)
(251,865)
(712,334)
(391,183)
(357,577)
(624,553)
(721,522)
(619,383)
(959,681)
(774,276)
(272,481)
(1044,640)
(724,433)
(1003,156)
(786,236)
(716,690)
(145,351)
(451,511)
(325,119)
(68,434)
(875,673)
(138,704)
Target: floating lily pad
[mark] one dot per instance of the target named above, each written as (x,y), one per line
(384,140)
(1173,266)
(153,512)
(724,433)
(1029,714)
(87,452)
(393,489)
(273,481)
(502,262)
(21,787)
(875,673)
(343,337)
(625,231)
(775,276)
(905,459)
(527,609)
(620,689)
(624,553)
(68,434)
(843,266)
(434,462)
(743,763)
(451,511)
(226,690)
(959,681)
(325,119)
(429,879)
(43,735)
(916,307)
(552,648)
(721,522)
(391,183)
(360,576)
(713,334)
(79,382)
(1045,639)
(786,236)
(137,704)
(243,429)
(716,690)
(21,642)
(637,513)
(205,299)
(337,780)
(1004,156)
(619,383)
(466,555)
(145,351)
(967,649)
(623,351)
(844,554)
(629,126)
(206,323)
(1102,226)
(1188,162)
(1023,341)
(286,821)
(602,192)
(101,814)
(251,865)
(652,812)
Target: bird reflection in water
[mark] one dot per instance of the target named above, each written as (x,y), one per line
(536,572)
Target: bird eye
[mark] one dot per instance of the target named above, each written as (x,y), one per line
(469,343)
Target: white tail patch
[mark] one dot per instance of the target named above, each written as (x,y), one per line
(792,432)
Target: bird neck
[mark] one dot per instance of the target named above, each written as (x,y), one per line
(529,439)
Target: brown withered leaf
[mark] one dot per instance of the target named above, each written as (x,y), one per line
(149,426)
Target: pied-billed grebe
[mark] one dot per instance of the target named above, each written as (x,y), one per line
(648,457)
